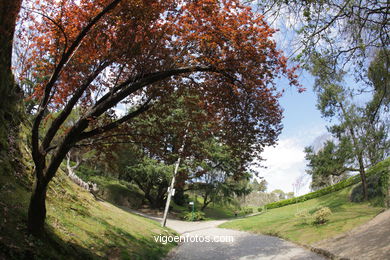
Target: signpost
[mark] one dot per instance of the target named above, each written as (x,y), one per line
(192,215)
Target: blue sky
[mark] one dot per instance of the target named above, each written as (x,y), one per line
(302,125)
(302,122)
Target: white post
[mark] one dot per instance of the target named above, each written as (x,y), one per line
(170,191)
(171,188)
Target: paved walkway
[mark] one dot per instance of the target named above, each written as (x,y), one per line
(240,245)
(244,246)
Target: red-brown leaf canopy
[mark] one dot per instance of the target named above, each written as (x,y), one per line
(228,49)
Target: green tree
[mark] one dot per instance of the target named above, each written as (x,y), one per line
(153,178)
(255,185)
(262,186)
(330,163)
(218,178)
(279,194)
(367,135)
(379,76)
(290,195)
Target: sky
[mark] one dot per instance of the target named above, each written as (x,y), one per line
(302,125)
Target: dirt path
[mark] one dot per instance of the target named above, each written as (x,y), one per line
(369,241)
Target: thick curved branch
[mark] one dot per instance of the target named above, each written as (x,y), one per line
(116,123)
(130,86)
(60,119)
(134,83)
(75,133)
(64,59)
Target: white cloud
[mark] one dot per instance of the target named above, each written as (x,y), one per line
(286,162)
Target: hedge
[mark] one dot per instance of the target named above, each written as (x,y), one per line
(381,168)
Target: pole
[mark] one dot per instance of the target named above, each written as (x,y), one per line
(164,221)
(192,212)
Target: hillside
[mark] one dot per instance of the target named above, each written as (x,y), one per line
(294,222)
(78,225)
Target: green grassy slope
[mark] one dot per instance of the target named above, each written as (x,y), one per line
(284,222)
(78,226)
(116,191)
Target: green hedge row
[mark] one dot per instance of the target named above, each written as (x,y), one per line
(385,183)
(381,168)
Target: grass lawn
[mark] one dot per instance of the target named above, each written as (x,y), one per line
(282,221)
(218,212)
(215,211)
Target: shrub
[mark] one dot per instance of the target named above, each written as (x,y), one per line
(321,216)
(373,189)
(377,186)
(198,215)
(303,215)
(247,211)
(181,198)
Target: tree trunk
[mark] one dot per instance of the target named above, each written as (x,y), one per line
(8,104)
(204,206)
(358,152)
(150,199)
(37,209)
(205,202)
(159,201)
(363,177)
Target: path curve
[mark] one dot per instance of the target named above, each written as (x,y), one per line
(244,245)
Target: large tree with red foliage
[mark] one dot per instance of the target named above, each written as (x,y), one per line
(94,55)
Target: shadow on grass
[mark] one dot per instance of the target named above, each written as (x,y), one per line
(50,246)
